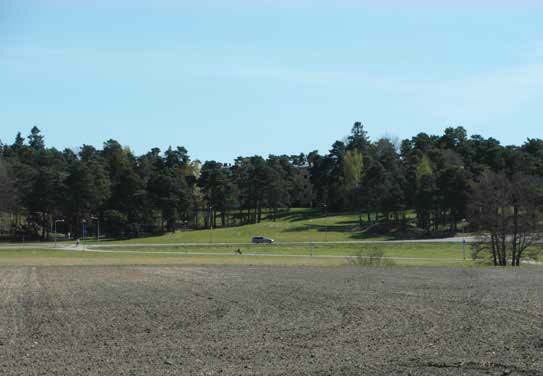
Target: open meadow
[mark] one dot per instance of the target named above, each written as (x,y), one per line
(302,237)
(303,254)
(295,225)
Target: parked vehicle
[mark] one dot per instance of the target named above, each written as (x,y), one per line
(261,240)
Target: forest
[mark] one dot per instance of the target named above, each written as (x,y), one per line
(434,178)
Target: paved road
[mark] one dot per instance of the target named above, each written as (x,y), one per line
(27,246)
(152,245)
(49,245)
(164,245)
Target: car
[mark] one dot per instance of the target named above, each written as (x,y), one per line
(261,240)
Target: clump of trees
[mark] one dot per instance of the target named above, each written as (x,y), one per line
(132,195)
(441,178)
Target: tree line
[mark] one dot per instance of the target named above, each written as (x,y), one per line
(438,177)
(132,195)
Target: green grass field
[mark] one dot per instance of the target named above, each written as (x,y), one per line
(416,250)
(297,225)
(406,254)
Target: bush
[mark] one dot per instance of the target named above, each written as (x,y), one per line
(373,257)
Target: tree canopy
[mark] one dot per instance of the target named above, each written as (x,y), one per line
(435,176)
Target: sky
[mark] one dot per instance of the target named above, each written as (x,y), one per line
(242,77)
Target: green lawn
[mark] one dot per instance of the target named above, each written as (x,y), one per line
(405,250)
(408,254)
(297,225)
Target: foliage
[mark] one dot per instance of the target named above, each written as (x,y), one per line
(7,188)
(374,257)
(159,192)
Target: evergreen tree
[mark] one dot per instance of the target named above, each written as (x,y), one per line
(19,142)
(156,191)
(35,140)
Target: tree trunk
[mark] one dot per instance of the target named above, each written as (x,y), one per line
(259,206)
(494,243)
(514,249)
(43,226)
(504,251)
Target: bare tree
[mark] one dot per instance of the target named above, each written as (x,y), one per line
(508,214)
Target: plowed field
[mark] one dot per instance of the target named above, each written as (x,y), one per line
(270,321)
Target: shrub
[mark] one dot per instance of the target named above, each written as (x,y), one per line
(373,257)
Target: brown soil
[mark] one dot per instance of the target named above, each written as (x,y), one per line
(270,321)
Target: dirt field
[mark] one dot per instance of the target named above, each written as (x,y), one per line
(270,321)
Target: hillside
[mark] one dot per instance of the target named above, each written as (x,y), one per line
(296,225)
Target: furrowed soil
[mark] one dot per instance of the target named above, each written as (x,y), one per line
(150,320)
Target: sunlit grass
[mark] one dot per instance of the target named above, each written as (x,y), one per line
(403,254)
(296,225)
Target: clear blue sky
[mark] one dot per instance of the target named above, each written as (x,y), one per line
(241,77)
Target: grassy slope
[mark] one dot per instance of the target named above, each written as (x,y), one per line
(299,225)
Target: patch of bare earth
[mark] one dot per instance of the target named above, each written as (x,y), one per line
(270,321)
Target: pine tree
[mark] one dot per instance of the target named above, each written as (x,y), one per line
(36,140)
